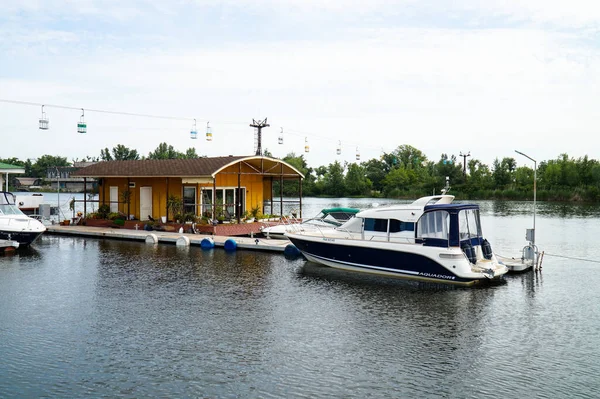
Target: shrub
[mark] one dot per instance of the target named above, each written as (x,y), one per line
(113,215)
(103,211)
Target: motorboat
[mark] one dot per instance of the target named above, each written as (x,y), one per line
(14,224)
(327,218)
(431,239)
(29,204)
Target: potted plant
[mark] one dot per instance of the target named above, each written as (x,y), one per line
(103,211)
(255,212)
(174,205)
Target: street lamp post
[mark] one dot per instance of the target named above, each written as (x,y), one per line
(534,189)
(468,154)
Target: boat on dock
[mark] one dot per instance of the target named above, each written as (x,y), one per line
(14,224)
(29,204)
(431,239)
(327,218)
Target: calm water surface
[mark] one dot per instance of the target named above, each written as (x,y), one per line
(98,318)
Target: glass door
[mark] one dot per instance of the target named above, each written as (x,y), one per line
(189,200)
(229,203)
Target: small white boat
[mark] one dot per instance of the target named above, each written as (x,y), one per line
(14,224)
(327,218)
(431,240)
(29,204)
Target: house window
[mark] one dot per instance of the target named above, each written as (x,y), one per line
(189,200)
(226,200)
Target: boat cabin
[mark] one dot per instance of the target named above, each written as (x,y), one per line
(439,225)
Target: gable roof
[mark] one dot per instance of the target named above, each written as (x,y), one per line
(28,181)
(182,167)
(7,168)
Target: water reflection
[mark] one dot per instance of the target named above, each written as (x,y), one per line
(99,318)
(544,209)
(415,319)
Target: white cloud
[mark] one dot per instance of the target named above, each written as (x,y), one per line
(440,89)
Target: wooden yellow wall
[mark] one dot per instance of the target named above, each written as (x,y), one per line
(255,190)
(159,193)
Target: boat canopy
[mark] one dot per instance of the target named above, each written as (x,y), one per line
(452,208)
(450,224)
(353,211)
(7,198)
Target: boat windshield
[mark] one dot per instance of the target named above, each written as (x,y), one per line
(7,205)
(434,224)
(335,218)
(469,224)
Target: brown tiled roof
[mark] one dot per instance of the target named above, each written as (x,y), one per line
(200,167)
(157,167)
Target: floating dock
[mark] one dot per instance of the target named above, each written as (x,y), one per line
(180,239)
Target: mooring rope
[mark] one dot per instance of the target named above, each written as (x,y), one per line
(572,258)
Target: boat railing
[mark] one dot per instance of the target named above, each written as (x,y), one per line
(389,238)
(353,235)
(290,223)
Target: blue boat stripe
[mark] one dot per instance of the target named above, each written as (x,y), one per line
(366,266)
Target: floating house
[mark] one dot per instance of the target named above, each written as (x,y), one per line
(214,188)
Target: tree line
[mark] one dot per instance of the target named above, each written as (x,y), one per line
(402,173)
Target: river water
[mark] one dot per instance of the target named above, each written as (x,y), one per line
(100,318)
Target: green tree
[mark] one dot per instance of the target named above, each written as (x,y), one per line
(375,171)
(334,180)
(524,178)
(267,153)
(122,153)
(399,180)
(480,177)
(290,187)
(105,155)
(43,163)
(190,153)
(119,153)
(165,151)
(448,167)
(409,157)
(503,172)
(356,181)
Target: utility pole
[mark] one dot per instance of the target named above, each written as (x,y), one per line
(465,161)
(258,125)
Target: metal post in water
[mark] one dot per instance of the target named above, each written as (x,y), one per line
(534,189)
(532,243)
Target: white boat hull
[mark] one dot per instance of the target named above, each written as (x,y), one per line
(410,261)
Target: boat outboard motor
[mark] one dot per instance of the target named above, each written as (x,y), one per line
(469,252)
(486,248)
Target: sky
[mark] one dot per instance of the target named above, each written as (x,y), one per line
(479,77)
